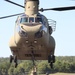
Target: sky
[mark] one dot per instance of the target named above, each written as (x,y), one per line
(65,25)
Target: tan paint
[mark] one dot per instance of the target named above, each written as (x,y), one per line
(31,8)
(22,47)
(44,46)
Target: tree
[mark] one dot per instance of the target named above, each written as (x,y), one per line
(43,67)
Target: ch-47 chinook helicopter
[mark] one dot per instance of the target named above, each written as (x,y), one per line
(32,39)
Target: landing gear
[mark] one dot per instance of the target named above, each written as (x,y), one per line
(16,64)
(15,61)
(14,58)
(51,65)
(11,58)
(51,60)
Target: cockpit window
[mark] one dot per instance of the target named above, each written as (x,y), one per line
(24,20)
(31,19)
(38,19)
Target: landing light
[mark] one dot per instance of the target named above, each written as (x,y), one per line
(35,41)
(26,41)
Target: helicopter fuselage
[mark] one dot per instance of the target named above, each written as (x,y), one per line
(32,35)
(32,38)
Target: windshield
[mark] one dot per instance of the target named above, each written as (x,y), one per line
(38,19)
(24,20)
(31,19)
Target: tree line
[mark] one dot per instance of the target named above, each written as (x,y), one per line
(62,64)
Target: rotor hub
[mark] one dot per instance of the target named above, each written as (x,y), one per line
(31,0)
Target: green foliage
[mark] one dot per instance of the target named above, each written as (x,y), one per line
(62,64)
(43,67)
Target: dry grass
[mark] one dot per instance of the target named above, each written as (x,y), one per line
(63,74)
(59,74)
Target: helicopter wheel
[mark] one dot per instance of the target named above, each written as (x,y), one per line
(15,61)
(51,65)
(16,64)
(14,58)
(51,58)
(11,58)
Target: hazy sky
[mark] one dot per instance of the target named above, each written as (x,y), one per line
(65,27)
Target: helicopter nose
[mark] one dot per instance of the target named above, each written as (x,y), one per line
(29,30)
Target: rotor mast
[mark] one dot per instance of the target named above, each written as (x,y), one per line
(31,7)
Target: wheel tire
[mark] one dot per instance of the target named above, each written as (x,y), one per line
(16,64)
(11,58)
(15,59)
(49,59)
(53,59)
(51,65)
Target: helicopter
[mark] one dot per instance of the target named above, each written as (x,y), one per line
(33,39)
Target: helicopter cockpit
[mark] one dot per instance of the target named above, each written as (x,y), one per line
(31,21)
(25,20)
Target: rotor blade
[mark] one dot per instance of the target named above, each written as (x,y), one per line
(10,16)
(59,9)
(15,3)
